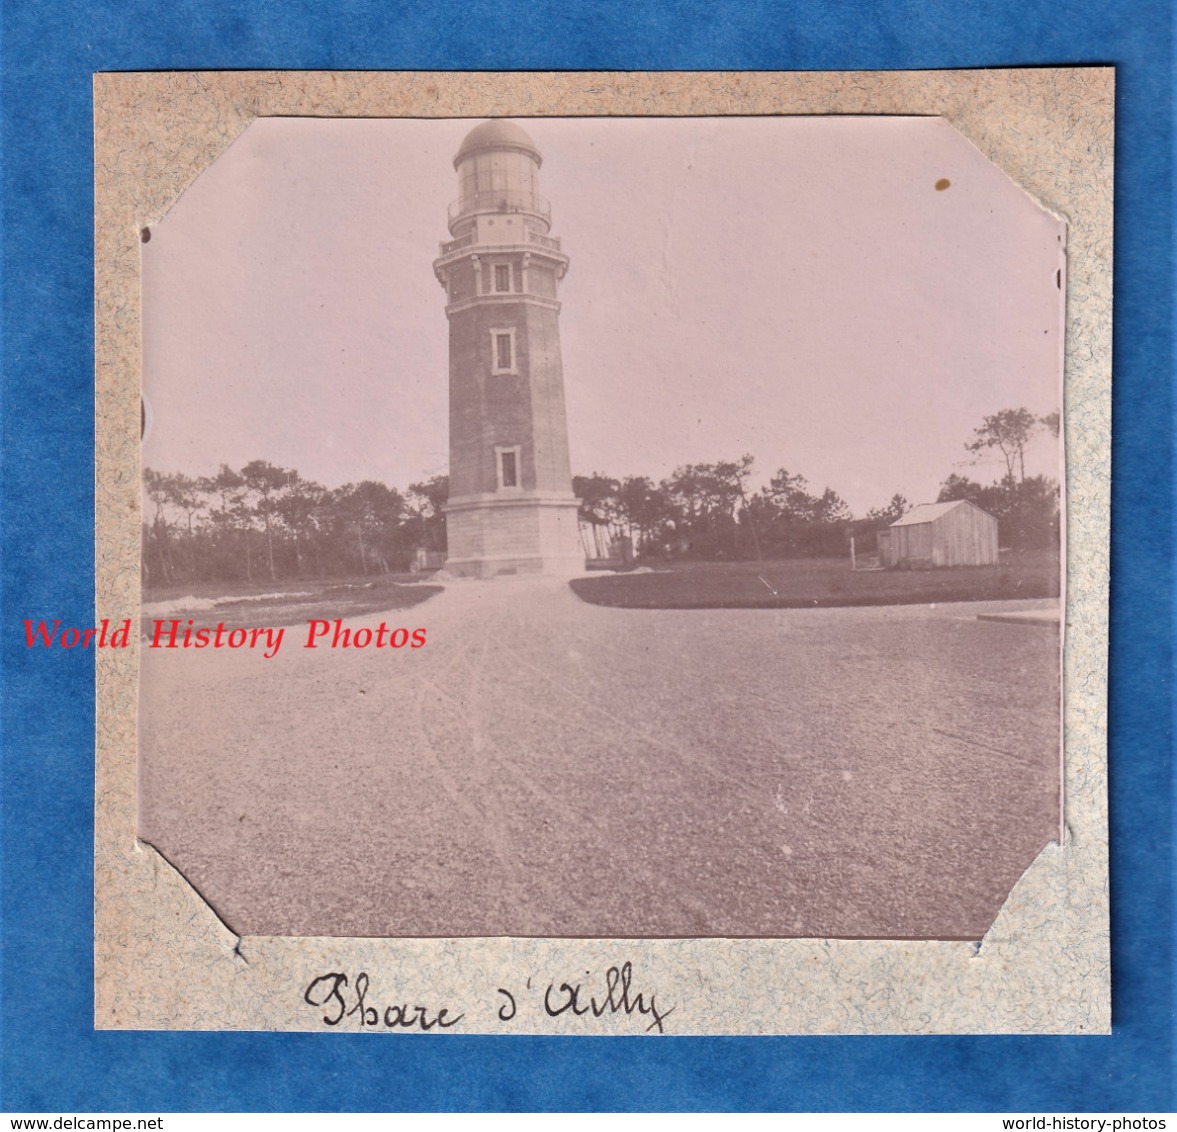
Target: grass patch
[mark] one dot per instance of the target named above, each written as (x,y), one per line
(249,605)
(814,583)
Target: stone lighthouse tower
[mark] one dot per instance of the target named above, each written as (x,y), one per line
(511,509)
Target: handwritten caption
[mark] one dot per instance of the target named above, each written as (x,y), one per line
(344,1000)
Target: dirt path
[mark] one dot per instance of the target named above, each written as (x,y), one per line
(548,767)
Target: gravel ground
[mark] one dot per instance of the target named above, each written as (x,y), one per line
(546,767)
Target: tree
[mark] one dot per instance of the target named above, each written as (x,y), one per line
(790,496)
(158,488)
(428,498)
(599,511)
(646,509)
(793,522)
(1027,510)
(1010,432)
(232,515)
(895,509)
(298,505)
(187,495)
(737,473)
(830,507)
(1034,519)
(374,515)
(598,498)
(961,487)
(264,480)
(706,498)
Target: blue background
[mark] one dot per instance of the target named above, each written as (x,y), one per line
(52,1059)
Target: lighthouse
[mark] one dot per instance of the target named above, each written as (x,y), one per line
(511,509)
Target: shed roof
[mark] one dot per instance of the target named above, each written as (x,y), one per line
(929,512)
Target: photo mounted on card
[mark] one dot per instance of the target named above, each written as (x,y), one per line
(593,557)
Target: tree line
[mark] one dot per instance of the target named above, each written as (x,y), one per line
(263,522)
(707,511)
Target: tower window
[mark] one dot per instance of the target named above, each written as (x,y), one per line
(502,277)
(507,460)
(502,347)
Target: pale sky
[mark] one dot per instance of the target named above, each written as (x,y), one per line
(796,288)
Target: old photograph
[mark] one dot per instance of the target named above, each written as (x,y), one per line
(602,527)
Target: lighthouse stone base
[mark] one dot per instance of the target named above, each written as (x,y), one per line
(528,532)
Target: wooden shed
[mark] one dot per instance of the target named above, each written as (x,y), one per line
(941,534)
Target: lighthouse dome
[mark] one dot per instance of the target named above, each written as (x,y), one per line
(497,134)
